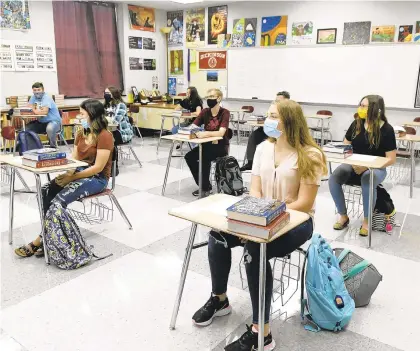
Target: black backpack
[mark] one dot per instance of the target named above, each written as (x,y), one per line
(28,140)
(228,176)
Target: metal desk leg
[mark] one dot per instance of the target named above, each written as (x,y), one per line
(11,203)
(183,275)
(261,307)
(322,132)
(41,215)
(200,171)
(237,129)
(161,132)
(413,170)
(370,214)
(168,165)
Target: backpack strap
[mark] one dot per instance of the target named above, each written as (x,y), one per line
(98,258)
(342,255)
(356,269)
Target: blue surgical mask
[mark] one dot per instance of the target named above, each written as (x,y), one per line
(84,123)
(270,128)
(39,95)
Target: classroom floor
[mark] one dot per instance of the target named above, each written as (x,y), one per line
(125,302)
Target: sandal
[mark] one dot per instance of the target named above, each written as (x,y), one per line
(24,251)
(341,226)
(363,231)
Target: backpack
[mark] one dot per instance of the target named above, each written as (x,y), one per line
(383,219)
(228,176)
(328,303)
(66,246)
(28,140)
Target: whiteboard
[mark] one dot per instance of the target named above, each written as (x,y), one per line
(338,74)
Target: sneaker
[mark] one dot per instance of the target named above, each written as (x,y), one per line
(246,168)
(249,342)
(196,193)
(213,308)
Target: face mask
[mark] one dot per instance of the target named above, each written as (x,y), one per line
(362,112)
(211,102)
(84,123)
(107,97)
(39,95)
(270,128)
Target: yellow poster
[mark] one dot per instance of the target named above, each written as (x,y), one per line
(176,62)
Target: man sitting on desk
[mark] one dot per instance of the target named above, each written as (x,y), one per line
(258,136)
(49,121)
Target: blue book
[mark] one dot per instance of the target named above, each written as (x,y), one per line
(44,154)
(256,211)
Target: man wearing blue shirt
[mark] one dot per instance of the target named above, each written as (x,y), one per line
(50,120)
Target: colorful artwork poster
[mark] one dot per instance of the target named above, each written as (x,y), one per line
(149,44)
(356,33)
(135,42)
(176,62)
(212,76)
(326,36)
(176,21)
(405,34)
(195,22)
(302,32)
(224,41)
(14,15)
(383,34)
(212,60)
(142,18)
(136,64)
(172,86)
(250,34)
(417,34)
(216,22)
(238,33)
(149,64)
(273,30)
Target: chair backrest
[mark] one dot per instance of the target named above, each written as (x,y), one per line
(410,130)
(324,113)
(417,119)
(249,108)
(134,108)
(182,94)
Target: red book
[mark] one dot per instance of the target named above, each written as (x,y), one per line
(258,230)
(44,163)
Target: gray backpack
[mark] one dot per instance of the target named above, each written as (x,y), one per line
(229,176)
(360,276)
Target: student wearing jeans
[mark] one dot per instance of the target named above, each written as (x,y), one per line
(42,104)
(95,149)
(370,134)
(216,124)
(288,166)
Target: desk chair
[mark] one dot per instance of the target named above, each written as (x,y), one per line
(97,211)
(318,129)
(126,155)
(135,109)
(242,120)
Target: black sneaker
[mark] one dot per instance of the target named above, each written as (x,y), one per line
(196,193)
(247,167)
(213,308)
(249,342)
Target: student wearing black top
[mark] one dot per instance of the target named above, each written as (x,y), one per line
(193,104)
(216,123)
(369,134)
(258,136)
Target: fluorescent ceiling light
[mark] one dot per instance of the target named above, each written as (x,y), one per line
(185,2)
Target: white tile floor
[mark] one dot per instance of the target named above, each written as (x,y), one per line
(125,302)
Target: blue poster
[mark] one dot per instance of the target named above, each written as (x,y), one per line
(172,86)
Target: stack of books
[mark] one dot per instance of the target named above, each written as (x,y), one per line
(257,217)
(23,111)
(59,100)
(337,150)
(22,100)
(41,158)
(189,132)
(257,118)
(12,101)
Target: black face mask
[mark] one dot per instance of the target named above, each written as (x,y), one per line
(107,97)
(211,102)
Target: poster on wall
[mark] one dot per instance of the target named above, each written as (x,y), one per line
(244,32)
(135,42)
(356,33)
(217,23)
(136,64)
(149,44)
(417,101)
(212,60)
(417,34)
(250,34)
(6,59)
(176,62)
(224,41)
(44,57)
(405,34)
(212,76)
(175,19)
(172,86)
(142,18)
(155,82)
(302,33)
(15,15)
(195,21)
(383,34)
(273,30)
(238,32)
(326,36)
(149,64)
(24,57)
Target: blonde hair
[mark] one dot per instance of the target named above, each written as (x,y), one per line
(297,133)
(217,91)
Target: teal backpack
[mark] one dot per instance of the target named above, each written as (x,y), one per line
(328,304)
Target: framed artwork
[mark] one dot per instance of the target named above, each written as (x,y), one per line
(302,32)
(175,19)
(273,30)
(141,18)
(417,100)
(356,33)
(326,36)
(15,15)
(195,25)
(383,34)
(405,34)
(217,23)
(176,62)
(417,33)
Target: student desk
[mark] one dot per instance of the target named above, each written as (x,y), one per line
(16,163)
(378,162)
(172,116)
(211,212)
(200,143)
(411,140)
(238,119)
(25,117)
(321,118)
(149,116)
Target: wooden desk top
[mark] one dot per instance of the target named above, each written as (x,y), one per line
(319,116)
(412,124)
(173,115)
(28,116)
(16,161)
(195,141)
(378,162)
(211,212)
(410,138)
(161,105)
